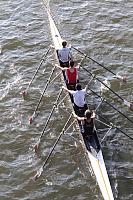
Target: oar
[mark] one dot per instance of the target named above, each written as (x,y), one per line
(123,78)
(49,117)
(114,126)
(104,100)
(55,77)
(48,81)
(82,60)
(105,135)
(24,93)
(129,104)
(39,172)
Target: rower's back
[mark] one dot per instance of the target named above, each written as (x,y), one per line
(64,55)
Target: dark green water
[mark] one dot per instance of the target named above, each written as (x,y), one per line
(102,29)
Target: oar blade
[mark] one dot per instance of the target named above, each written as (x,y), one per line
(124,78)
(121,77)
(31,118)
(36,146)
(38,173)
(24,93)
(128,104)
(103,87)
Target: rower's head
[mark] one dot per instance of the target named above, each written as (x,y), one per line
(88,114)
(71,63)
(64,43)
(78,86)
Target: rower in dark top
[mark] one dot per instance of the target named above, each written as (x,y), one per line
(88,131)
(87,122)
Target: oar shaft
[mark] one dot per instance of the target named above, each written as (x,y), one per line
(55,77)
(42,60)
(105,135)
(103,84)
(94,60)
(52,149)
(110,105)
(124,133)
(103,122)
(112,125)
(62,132)
(48,81)
(82,60)
(49,117)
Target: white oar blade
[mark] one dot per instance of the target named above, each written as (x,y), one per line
(36,146)
(38,174)
(103,87)
(128,104)
(121,77)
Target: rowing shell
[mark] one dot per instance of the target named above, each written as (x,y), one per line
(93,149)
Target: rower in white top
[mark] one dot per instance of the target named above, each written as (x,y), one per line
(78,99)
(64,55)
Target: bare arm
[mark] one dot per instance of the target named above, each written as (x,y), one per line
(78,66)
(66,89)
(62,68)
(93,116)
(77,117)
(70,53)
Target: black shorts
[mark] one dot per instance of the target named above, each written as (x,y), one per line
(64,64)
(71,86)
(80,110)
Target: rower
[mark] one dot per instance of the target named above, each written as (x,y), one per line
(71,75)
(64,55)
(79,99)
(87,129)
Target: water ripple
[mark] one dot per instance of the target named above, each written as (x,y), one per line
(103,29)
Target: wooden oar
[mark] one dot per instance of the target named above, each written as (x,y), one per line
(123,78)
(129,104)
(36,146)
(48,81)
(24,93)
(39,172)
(114,126)
(104,100)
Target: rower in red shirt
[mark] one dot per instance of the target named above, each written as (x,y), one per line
(71,75)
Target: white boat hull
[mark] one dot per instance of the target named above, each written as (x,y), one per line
(99,169)
(97,161)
